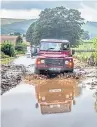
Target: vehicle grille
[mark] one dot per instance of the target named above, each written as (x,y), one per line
(55,62)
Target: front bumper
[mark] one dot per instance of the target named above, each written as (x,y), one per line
(54,69)
(55,65)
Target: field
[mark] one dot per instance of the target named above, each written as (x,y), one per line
(6,21)
(84,46)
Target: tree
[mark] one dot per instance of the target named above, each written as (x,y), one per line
(59,23)
(32,33)
(21,47)
(8,49)
(17,34)
(19,39)
(85,35)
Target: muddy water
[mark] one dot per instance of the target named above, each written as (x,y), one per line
(61,95)
(57,102)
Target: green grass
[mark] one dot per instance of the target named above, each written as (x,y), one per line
(7,60)
(84,46)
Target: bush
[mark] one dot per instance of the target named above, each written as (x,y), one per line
(8,49)
(2,55)
(19,52)
(95,46)
(20,48)
(19,39)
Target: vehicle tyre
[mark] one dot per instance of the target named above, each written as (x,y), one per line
(42,72)
(71,71)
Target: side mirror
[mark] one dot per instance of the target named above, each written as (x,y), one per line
(37,54)
(34,52)
(73,52)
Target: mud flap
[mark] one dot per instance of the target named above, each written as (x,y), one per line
(36,105)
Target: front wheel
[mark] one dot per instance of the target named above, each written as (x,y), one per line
(71,71)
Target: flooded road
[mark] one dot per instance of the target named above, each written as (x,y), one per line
(27,62)
(24,61)
(54,103)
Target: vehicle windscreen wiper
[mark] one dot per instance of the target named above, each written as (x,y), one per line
(53,50)
(50,48)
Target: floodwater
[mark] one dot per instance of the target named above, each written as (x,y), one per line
(23,60)
(55,103)
(27,62)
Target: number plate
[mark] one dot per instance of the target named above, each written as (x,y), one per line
(54,69)
(52,106)
(55,90)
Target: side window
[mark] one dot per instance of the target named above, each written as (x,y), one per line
(35,50)
(32,50)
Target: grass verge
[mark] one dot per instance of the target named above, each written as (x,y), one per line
(7,60)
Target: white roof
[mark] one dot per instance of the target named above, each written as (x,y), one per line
(55,40)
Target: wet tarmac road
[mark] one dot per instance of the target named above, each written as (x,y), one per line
(19,108)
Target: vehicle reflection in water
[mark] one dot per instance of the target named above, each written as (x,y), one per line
(56,96)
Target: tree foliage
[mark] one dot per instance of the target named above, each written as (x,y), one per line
(8,49)
(17,34)
(19,39)
(21,47)
(59,23)
(85,35)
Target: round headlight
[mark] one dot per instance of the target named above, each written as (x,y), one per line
(67,96)
(51,106)
(43,98)
(58,106)
(66,62)
(42,61)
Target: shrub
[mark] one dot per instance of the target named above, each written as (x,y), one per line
(19,39)
(95,46)
(2,55)
(20,48)
(19,52)
(8,49)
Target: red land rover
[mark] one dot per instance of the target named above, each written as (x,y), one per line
(54,56)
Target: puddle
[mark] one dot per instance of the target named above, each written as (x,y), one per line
(52,102)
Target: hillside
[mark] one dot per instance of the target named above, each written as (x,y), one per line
(20,25)
(91,27)
(7,21)
(16,26)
